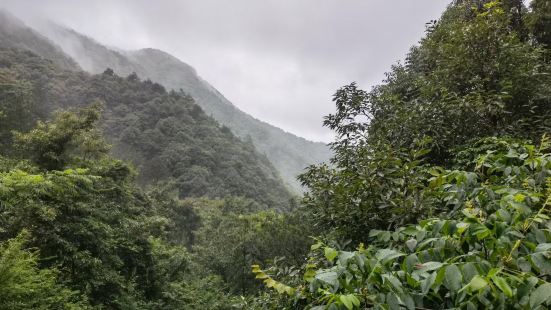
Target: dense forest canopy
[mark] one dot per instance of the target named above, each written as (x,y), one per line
(78,232)
(164,134)
(116,194)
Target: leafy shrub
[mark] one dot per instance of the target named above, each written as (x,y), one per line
(492,250)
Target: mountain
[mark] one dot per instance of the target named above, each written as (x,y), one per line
(14,33)
(289,154)
(163,133)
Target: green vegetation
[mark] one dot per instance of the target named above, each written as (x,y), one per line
(81,234)
(164,134)
(288,153)
(438,195)
(81,229)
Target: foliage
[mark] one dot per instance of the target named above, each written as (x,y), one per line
(15,107)
(540,21)
(105,237)
(473,75)
(70,138)
(490,251)
(368,188)
(24,286)
(164,134)
(472,68)
(248,236)
(435,164)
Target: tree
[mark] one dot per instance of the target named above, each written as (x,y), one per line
(541,21)
(24,286)
(69,139)
(16,108)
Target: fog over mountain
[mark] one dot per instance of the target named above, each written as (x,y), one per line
(288,153)
(279,61)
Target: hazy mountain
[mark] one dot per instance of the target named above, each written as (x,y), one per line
(289,154)
(14,33)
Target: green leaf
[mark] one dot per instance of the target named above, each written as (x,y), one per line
(329,277)
(461,227)
(543,247)
(411,244)
(503,285)
(394,282)
(345,256)
(316,246)
(428,266)
(330,253)
(427,283)
(541,262)
(519,197)
(540,295)
(349,301)
(477,283)
(453,278)
(385,255)
(309,275)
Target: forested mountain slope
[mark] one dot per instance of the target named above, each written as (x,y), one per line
(14,33)
(289,154)
(164,134)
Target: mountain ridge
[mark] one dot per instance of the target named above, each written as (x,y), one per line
(15,33)
(289,153)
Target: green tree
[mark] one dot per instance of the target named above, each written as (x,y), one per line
(23,285)
(72,138)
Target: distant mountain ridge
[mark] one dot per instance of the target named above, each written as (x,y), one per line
(14,33)
(288,153)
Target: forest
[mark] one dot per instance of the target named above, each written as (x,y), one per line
(118,194)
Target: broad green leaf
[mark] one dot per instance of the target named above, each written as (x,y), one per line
(540,295)
(453,278)
(394,282)
(345,256)
(316,246)
(427,283)
(461,227)
(477,283)
(385,255)
(428,266)
(349,301)
(329,277)
(503,285)
(519,197)
(541,262)
(309,275)
(543,247)
(411,244)
(330,253)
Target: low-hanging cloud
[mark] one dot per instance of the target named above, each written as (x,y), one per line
(279,60)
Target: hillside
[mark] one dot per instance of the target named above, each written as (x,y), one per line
(14,33)
(289,154)
(164,134)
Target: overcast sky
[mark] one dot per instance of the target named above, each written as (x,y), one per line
(278,60)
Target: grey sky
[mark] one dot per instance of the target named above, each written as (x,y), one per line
(278,60)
